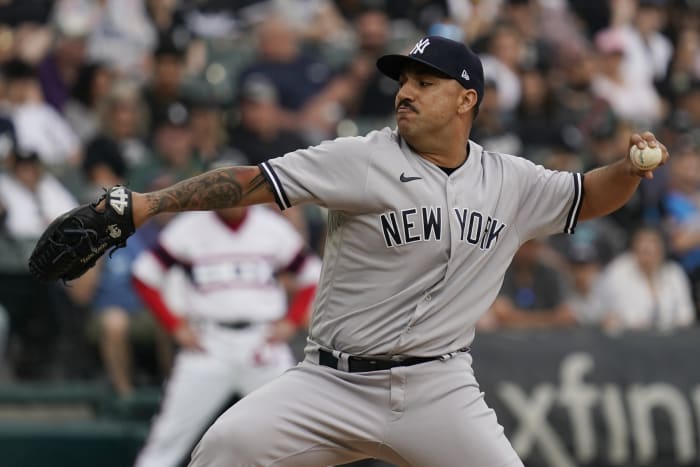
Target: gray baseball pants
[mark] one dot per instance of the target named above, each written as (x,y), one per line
(427,415)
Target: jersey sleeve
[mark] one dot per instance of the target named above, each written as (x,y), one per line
(550,200)
(332,174)
(152,266)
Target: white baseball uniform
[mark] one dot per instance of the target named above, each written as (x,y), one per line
(232,295)
(414,256)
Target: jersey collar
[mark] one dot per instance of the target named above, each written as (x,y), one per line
(233,225)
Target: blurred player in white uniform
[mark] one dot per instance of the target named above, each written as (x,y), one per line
(249,283)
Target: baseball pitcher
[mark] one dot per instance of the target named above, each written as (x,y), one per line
(423,223)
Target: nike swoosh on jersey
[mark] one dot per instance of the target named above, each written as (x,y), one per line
(405,179)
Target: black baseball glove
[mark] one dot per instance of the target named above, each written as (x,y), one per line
(74,241)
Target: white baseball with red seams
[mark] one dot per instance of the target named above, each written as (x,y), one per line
(647,158)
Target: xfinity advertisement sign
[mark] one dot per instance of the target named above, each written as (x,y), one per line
(577,398)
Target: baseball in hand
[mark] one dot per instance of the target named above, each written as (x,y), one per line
(647,158)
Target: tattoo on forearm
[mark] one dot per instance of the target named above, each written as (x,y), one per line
(217,189)
(258,182)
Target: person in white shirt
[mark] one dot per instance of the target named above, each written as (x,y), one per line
(32,198)
(649,51)
(643,289)
(501,64)
(38,126)
(632,99)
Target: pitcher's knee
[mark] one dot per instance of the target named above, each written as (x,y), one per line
(228,445)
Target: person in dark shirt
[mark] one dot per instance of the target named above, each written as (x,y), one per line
(165,87)
(296,76)
(376,91)
(259,133)
(312,97)
(532,295)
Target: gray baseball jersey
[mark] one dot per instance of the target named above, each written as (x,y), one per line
(413,256)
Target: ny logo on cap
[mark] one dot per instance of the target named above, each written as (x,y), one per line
(465,75)
(419,48)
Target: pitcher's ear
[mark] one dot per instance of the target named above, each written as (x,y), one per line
(467,100)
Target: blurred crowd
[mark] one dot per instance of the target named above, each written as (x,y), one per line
(147,92)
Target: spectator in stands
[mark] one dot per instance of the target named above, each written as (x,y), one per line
(32,198)
(39,127)
(165,86)
(605,134)
(207,124)
(685,64)
(421,15)
(317,22)
(121,321)
(533,294)
(173,145)
(296,77)
(606,239)
(685,116)
(375,91)
(59,70)
(528,18)
(312,99)
(535,115)
(584,266)
(30,40)
(82,110)
(562,153)
(578,110)
(648,50)
(495,129)
(631,98)
(593,15)
(643,289)
(682,208)
(123,120)
(15,13)
(502,62)
(168,19)
(216,19)
(259,133)
(122,36)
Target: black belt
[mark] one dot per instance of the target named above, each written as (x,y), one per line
(361,364)
(238,325)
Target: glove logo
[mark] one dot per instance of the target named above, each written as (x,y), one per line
(114,231)
(119,200)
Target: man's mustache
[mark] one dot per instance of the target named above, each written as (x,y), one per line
(406,103)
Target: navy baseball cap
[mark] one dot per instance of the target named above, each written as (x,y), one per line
(452,58)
